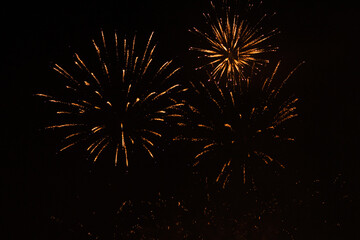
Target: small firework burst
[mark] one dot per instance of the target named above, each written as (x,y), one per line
(119,106)
(242,125)
(232,45)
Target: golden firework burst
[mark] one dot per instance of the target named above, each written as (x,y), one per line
(118,106)
(242,125)
(232,45)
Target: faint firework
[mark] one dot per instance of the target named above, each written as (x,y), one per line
(232,44)
(279,211)
(157,218)
(238,126)
(119,104)
(200,215)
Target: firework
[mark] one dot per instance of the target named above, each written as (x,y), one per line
(242,126)
(119,105)
(232,45)
(204,213)
(201,215)
(157,218)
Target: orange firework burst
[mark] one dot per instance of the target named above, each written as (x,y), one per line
(240,125)
(232,45)
(121,105)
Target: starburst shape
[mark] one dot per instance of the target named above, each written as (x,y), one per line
(232,45)
(120,104)
(238,126)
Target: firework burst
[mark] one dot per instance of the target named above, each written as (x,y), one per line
(119,106)
(243,124)
(232,45)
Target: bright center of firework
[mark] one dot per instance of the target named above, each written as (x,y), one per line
(230,56)
(233,46)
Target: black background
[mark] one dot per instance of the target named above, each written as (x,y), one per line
(34,34)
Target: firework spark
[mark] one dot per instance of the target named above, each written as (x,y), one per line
(159,218)
(200,215)
(233,45)
(121,105)
(243,124)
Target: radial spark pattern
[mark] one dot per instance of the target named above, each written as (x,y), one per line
(232,44)
(118,104)
(240,125)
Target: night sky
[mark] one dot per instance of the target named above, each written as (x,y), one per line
(36,182)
